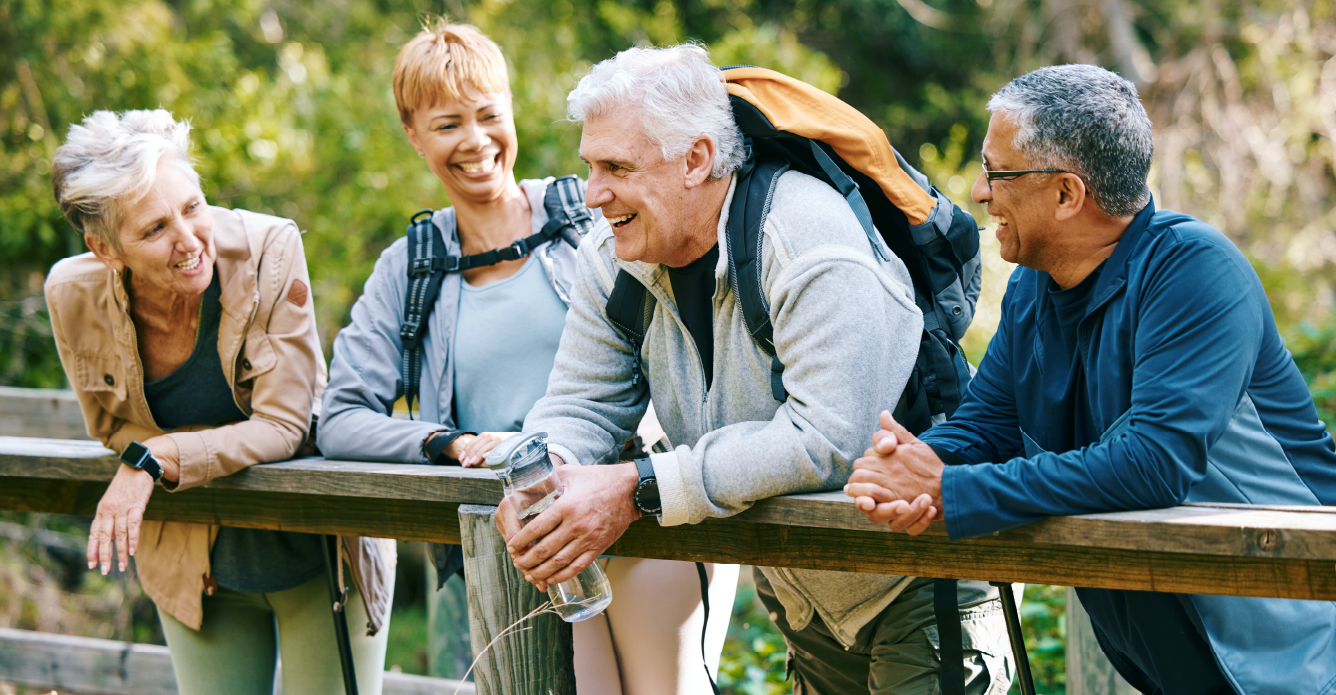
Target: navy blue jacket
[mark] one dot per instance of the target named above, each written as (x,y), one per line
(1188,394)
(1177,331)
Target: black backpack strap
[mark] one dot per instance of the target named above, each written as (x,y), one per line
(629,314)
(951,650)
(705,623)
(426,270)
(751,203)
(849,189)
(428,262)
(514,252)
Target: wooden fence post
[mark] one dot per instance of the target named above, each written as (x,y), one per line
(536,661)
(1088,670)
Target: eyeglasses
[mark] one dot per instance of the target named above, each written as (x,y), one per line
(992,176)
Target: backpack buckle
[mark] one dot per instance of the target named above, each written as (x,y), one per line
(515,251)
(408,332)
(420,267)
(451,263)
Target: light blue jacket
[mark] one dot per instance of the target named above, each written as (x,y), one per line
(1187,395)
(364,382)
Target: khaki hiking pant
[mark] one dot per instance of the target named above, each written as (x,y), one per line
(897,651)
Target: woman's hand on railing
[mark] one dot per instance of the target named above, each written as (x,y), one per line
(121,509)
(471,449)
(119,515)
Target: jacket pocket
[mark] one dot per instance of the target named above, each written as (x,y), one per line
(257,357)
(102,376)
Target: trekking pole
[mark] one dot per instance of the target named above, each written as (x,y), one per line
(338,596)
(1017,638)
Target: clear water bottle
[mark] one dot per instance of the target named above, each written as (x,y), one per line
(522,464)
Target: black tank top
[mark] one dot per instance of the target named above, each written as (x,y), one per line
(250,560)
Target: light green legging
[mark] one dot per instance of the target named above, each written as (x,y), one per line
(242,636)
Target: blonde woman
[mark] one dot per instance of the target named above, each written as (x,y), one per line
(489,346)
(189,337)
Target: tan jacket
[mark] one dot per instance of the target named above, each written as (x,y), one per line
(272,360)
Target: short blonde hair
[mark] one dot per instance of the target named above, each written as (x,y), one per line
(112,161)
(446,61)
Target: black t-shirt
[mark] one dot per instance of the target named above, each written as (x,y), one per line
(693,288)
(1065,372)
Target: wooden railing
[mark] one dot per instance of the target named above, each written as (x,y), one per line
(1242,550)
(106,667)
(1282,552)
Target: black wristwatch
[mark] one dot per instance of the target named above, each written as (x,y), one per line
(647,488)
(137,456)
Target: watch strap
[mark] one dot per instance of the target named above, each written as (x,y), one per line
(138,457)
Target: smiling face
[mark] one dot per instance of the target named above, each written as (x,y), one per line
(469,143)
(166,238)
(1023,207)
(645,198)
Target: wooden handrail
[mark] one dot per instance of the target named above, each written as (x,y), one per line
(1278,552)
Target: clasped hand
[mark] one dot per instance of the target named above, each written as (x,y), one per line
(898,481)
(594,511)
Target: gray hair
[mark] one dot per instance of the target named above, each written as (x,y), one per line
(678,94)
(111,161)
(1086,120)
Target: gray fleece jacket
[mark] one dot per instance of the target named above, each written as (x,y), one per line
(847,331)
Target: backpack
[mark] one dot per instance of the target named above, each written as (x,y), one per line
(790,125)
(428,262)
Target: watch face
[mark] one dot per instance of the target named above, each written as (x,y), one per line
(647,497)
(135,454)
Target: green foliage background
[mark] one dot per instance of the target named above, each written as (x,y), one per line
(293,116)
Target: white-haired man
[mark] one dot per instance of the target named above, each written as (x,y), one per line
(662,146)
(1137,366)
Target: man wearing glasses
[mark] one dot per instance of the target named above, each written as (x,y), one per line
(1137,366)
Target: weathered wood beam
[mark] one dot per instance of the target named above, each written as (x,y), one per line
(408,520)
(51,413)
(1287,552)
(738,541)
(107,667)
(1296,532)
(988,559)
(535,660)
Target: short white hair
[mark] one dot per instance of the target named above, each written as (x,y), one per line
(677,93)
(112,161)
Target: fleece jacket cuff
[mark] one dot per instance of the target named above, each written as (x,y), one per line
(672,489)
(566,455)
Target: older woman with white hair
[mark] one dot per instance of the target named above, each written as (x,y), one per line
(189,337)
